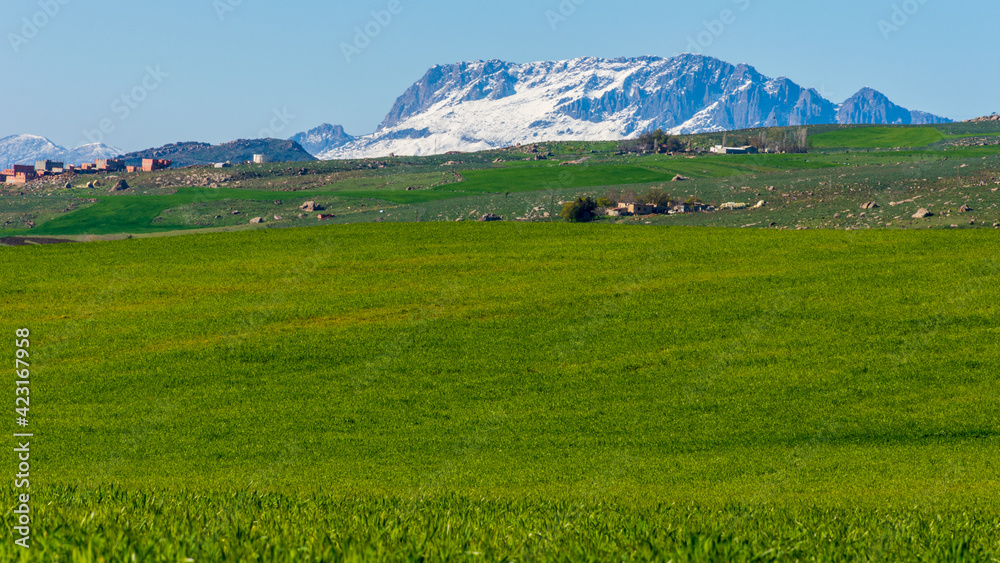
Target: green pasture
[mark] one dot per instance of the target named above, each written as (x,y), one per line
(525,179)
(513,391)
(877,137)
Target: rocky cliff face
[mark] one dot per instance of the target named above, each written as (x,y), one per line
(871,107)
(487,104)
(323,138)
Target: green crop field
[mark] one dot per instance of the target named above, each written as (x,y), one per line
(511,391)
(877,137)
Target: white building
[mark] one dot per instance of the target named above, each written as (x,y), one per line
(719,149)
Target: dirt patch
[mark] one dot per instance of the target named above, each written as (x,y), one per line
(28,241)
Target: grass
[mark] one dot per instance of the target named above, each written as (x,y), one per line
(252,526)
(877,137)
(551,177)
(522,391)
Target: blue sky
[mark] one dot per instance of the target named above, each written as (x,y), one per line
(143,73)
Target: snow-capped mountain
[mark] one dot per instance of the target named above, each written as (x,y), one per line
(487,104)
(323,138)
(26,149)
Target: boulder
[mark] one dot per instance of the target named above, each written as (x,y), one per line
(120,186)
(69,186)
(90,185)
(869,205)
(965,209)
(679,178)
(324,217)
(310,206)
(256,220)
(922,214)
(490,217)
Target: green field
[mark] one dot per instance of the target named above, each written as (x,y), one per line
(512,391)
(877,138)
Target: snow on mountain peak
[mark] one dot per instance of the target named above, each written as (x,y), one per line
(27,149)
(478,105)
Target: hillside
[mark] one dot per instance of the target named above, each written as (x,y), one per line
(950,170)
(189,154)
(472,106)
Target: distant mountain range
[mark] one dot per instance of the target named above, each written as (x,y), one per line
(481,105)
(188,154)
(27,149)
(488,104)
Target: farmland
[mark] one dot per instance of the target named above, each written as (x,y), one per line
(940,168)
(516,391)
(813,379)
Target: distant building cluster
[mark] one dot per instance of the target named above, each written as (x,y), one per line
(22,174)
(629,209)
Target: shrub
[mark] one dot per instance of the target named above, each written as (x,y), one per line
(580,210)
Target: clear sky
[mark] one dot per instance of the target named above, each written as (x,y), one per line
(155,72)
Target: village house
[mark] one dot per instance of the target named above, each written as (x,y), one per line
(48,166)
(109,165)
(151,164)
(19,174)
(719,149)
